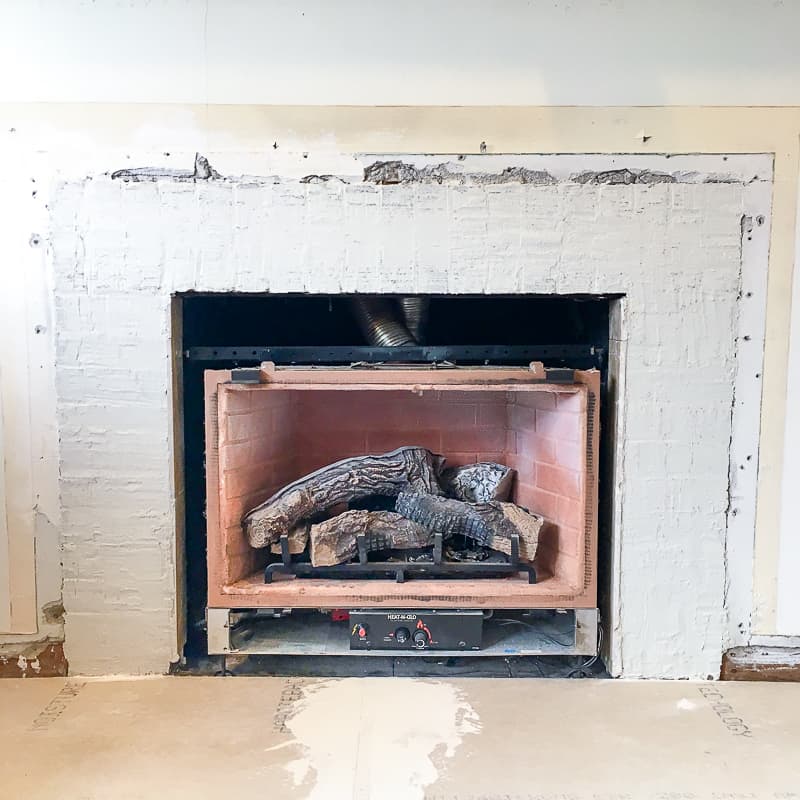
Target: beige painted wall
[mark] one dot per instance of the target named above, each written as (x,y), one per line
(451,52)
(73,140)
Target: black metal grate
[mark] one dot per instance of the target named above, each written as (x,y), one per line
(400,570)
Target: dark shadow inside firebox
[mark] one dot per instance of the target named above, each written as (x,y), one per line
(226,331)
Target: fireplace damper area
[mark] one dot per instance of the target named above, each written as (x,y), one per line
(296,420)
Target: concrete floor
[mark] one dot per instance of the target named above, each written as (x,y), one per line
(409,738)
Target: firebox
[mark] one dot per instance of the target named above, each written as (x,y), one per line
(294,421)
(285,411)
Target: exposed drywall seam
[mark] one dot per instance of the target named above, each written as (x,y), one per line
(746,225)
(744,455)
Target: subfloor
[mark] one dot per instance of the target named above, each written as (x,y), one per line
(410,738)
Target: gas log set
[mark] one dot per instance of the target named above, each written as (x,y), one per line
(400,503)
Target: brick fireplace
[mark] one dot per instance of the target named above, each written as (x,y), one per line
(681,241)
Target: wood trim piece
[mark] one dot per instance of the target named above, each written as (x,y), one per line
(591,380)
(214,554)
(761,664)
(466,378)
(178,471)
(252,592)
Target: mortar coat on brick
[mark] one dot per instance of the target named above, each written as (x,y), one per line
(121,249)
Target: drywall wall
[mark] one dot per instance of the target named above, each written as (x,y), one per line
(541,52)
(71,142)
(30,538)
(788,586)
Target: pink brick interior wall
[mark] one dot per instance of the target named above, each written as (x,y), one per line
(256,458)
(269,437)
(547,448)
(465,426)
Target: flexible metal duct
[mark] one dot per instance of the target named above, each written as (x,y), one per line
(415,313)
(380,323)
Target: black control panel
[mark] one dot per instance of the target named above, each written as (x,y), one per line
(416,630)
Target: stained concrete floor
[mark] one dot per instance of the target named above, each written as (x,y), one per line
(410,738)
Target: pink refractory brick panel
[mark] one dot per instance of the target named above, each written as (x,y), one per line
(262,436)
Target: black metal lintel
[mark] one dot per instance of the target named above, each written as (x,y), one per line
(457,354)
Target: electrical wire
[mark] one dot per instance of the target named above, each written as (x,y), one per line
(581,670)
(504,621)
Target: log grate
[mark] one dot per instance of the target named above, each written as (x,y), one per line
(400,571)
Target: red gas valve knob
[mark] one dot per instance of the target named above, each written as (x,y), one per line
(362,631)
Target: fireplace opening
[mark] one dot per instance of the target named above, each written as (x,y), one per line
(323,399)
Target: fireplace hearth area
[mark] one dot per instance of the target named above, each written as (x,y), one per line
(352,466)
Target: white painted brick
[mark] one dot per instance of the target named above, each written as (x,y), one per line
(180,234)
(116,385)
(120,250)
(250,226)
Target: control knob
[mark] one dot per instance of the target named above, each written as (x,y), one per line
(402,635)
(420,639)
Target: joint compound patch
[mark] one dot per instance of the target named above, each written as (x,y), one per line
(363,737)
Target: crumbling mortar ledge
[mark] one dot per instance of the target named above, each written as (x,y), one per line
(394,172)
(203,171)
(400,172)
(618,177)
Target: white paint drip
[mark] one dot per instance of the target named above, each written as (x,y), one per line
(365,738)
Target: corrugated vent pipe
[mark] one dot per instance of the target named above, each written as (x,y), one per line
(415,313)
(380,323)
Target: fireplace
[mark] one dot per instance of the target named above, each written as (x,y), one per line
(268,423)
(650,268)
